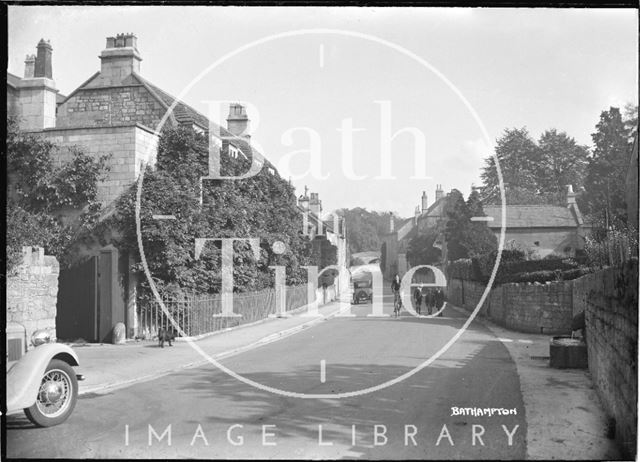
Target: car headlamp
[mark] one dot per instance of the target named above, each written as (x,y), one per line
(41,336)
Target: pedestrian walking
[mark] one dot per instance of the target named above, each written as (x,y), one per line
(439,300)
(417,295)
(429,300)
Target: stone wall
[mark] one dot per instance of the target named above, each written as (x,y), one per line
(610,301)
(525,307)
(609,298)
(128,145)
(106,106)
(32,292)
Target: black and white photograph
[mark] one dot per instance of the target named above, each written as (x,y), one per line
(321,232)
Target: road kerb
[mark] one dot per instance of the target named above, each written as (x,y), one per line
(111,386)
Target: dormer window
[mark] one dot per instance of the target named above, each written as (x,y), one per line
(233,152)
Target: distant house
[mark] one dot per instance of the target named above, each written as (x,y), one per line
(401,231)
(328,238)
(547,229)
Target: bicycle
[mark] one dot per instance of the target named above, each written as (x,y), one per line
(397,303)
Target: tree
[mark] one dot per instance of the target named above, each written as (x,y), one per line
(421,251)
(604,196)
(466,238)
(517,155)
(562,162)
(262,206)
(40,188)
(630,120)
(478,238)
(455,232)
(364,228)
(534,173)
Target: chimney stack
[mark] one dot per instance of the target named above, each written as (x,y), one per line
(119,59)
(571,196)
(43,66)
(303,200)
(439,192)
(424,201)
(29,66)
(315,204)
(238,121)
(37,90)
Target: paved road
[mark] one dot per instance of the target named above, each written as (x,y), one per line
(212,415)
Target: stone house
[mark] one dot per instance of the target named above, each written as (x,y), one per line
(401,231)
(328,237)
(543,229)
(114,112)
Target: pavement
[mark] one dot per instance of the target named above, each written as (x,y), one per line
(107,367)
(564,417)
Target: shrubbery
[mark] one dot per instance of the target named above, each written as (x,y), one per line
(39,188)
(513,268)
(262,206)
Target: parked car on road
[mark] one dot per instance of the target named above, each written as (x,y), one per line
(41,381)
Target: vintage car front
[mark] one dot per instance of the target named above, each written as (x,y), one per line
(41,381)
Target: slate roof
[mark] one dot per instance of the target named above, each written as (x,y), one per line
(183,113)
(532,216)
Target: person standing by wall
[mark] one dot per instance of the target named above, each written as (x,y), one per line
(439,299)
(417,295)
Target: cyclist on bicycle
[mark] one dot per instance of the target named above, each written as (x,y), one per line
(395,288)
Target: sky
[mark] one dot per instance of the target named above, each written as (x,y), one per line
(368,107)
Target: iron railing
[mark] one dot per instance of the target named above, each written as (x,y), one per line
(201,314)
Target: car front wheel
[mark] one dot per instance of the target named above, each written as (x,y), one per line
(57,395)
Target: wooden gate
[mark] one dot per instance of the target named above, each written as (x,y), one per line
(89,299)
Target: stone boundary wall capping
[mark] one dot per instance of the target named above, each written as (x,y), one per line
(525,307)
(609,298)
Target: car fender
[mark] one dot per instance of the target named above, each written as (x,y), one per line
(23,379)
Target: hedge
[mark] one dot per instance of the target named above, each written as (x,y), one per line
(513,268)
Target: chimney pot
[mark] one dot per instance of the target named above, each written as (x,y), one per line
(424,201)
(29,66)
(43,66)
(238,121)
(119,59)
(571,196)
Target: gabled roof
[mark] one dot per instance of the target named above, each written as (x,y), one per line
(182,112)
(13,80)
(531,216)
